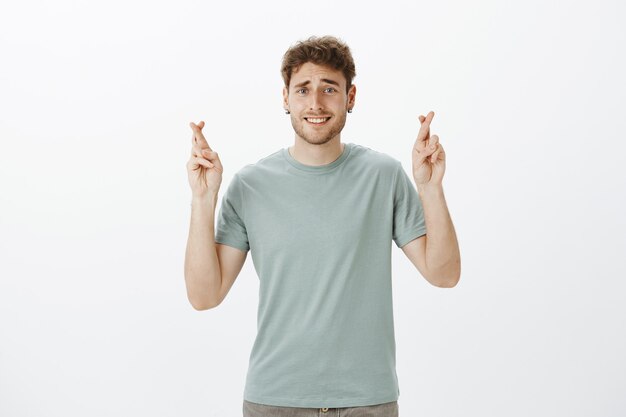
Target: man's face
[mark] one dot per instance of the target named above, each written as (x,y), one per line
(318,92)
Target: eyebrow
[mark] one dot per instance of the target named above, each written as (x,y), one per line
(326,80)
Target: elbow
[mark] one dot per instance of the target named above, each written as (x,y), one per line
(200,299)
(201,305)
(447,283)
(448,279)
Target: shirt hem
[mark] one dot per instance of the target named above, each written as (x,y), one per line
(235,244)
(321,402)
(406,238)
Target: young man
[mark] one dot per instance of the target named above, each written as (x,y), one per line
(318,218)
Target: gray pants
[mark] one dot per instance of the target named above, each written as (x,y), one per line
(251,409)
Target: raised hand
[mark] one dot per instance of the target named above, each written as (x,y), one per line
(429,158)
(204,167)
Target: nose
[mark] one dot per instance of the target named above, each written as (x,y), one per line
(316,101)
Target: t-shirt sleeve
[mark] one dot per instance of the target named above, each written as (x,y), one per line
(408,213)
(230,229)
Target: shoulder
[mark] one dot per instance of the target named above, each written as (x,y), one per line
(376,159)
(263,167)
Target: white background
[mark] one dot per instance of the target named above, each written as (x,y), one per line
(95,101)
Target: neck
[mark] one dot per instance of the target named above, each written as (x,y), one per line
(313,154)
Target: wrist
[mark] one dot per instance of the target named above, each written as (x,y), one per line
(424,189)
(208,198)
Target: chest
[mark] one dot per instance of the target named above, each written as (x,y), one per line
(318,214)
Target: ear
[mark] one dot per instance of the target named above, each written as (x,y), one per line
(285,98)
(351,95)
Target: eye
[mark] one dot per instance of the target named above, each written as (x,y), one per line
(330,88)
(301,89)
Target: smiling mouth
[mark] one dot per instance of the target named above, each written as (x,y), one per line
(317,120)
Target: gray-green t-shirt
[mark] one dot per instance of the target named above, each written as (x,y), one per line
(320,240)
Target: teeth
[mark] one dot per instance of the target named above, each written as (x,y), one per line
(317,120)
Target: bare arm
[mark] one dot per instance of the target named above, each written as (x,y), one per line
(437,255)
(202,267)
(210,268)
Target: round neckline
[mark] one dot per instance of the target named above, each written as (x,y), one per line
(318,168)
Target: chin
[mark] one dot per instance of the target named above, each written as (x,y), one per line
(314,137)
(319,139)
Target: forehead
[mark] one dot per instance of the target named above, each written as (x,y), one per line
(315,72)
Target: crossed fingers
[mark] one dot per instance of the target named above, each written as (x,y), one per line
(423,136)
(198,141)
(425,144)
(199,146)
